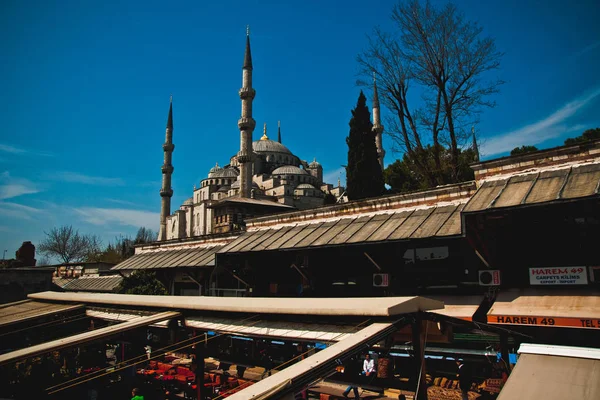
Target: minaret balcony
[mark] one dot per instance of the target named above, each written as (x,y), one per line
(166,192)
(244,157)
(246,124)
(247,93)
(168,147)
(167,169)
(377,128)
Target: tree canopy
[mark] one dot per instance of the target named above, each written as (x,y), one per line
(68,245)
(522,150)
(448,61)
(364,177)
(142,282)
(590,134)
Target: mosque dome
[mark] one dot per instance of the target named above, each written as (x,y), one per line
(188,202)
(305,186)
(225,173)
(289,170)
(214,170)
(269,146)
(314,164)
(236,185)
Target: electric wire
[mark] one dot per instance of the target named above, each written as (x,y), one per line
(70,384)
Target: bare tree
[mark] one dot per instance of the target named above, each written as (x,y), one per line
(145,235)
(68,245)
(446,58)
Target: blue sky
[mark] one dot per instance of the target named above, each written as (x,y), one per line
(86,85)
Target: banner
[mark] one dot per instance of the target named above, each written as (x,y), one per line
(558,276)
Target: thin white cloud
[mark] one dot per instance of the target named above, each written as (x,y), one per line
(332,177)
(552,126)
(12,187)
(18,211)
(124,202)
(121,216)
(74,177)
(18,150)
(587,49)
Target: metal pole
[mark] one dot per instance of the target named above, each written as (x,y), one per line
(200,370)
(419,353)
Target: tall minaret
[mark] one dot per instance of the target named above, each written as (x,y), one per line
(167,170)
(279,131)
(475,147)
(246,123)
(377,127)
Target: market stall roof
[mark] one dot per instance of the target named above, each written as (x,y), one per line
(25,310)
(416,223)
(93,283)
(171,258)
(551,184)
(249,327)
(85,337)
(575,309)
(312,367)
(461,307)
(553,373)
(363,306)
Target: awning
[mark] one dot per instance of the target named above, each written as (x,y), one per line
(554,185)
(359,306)
(419,223)
(559,309)
(461,307)
(250,327)
(562,373)
(197,257)
(22,311)
(85,337)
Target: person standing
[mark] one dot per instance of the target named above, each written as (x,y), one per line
(136,394)
(465,378)
(368,365)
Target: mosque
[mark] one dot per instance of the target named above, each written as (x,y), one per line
(263,177)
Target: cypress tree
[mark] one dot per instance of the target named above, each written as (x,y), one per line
(364,177)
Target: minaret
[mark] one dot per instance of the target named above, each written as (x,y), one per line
(167,170)
(279,131)
(377,127)
(475,148)
(246,123)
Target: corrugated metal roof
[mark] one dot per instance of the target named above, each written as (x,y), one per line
(401,225)
(577,181)
(24,310)
(62,282)
(94,284)
(198,257)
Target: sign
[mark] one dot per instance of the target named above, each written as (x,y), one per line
(544,321)
(558,276)
(493,385)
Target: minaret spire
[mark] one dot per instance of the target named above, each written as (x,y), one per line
(167,170)
(246,123)
(279,131)
(475,147)
(377,127)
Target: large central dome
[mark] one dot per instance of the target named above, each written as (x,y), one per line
(269,146)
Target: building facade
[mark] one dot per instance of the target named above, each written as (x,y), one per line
(264,172)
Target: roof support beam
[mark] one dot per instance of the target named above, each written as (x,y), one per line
(85,337)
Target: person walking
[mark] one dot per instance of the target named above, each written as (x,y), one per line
(465,378)
(351,370)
